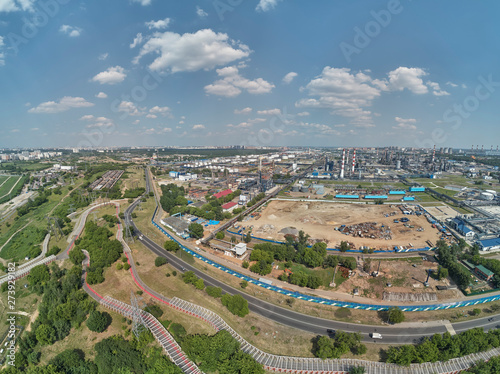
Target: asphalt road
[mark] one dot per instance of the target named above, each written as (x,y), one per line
(315,325)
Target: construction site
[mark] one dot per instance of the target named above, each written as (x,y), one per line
(377,227)
(403,280)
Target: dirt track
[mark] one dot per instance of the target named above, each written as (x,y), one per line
(319,220)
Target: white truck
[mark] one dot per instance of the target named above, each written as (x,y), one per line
(376,335)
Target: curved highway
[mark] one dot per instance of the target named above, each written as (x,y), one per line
(391,334)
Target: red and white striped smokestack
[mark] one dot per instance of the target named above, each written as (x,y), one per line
(353,161)
(434,154)
(343,165)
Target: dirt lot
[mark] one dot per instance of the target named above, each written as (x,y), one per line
(318,219)
(401,280)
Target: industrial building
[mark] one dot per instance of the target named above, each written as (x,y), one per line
(483,273)
(462,228)
(489,244)
(229,207)
(179,226)
(220,194)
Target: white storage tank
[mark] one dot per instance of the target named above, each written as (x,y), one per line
(486,196)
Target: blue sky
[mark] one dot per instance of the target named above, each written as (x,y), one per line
(249,72)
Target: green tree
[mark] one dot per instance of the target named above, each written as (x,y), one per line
(196,230)
(214,291)
(76,256)
(171,246)
(159,261)
(236,304)
(395,315)
(344,246)
(245,264)
(98,321)
(248,238)
(45,334)
(38,277)
(220,235)
(199,284)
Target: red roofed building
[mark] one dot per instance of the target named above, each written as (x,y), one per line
(229,206)
(218,195)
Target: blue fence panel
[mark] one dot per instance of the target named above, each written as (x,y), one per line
(320,300)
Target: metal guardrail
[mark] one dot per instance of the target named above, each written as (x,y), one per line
(287,364)
(160,333)
(22,272)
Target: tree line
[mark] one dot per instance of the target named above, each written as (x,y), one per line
(103,251)
(445,347)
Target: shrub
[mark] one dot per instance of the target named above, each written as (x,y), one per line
(98,322)
(159,261)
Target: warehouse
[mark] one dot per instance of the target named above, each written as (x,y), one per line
(489,244)
(461,227)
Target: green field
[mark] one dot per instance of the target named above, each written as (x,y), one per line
(24,166)
(456,180)
(6,184)
(22,242)
(36,218)
(326,275)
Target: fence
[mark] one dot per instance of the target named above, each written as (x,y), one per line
(321,300)
(160,333)
(287,364)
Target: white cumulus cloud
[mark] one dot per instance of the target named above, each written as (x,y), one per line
(71,31)
(113,75)
(101,95)
(142,2)
(287,79)
(200,12)
(270,112)
(16,5)
(232,84)
(64,104)
(158,25)
(246,110)
(405,123)
(137,40)
(266,5)
(198,127)
(346,93)
(408,78)
(204,49)
(160,110)
(130,108)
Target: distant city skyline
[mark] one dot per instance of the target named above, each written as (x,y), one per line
(253,73)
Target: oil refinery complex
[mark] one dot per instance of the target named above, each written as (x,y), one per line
(314,240)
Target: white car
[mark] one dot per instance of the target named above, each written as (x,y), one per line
(376,335)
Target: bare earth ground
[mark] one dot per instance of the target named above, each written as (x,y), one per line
(319,220)
(403,277)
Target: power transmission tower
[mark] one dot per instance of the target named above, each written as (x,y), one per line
(138,305)
(54,228)
(128,234)
(71,208)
